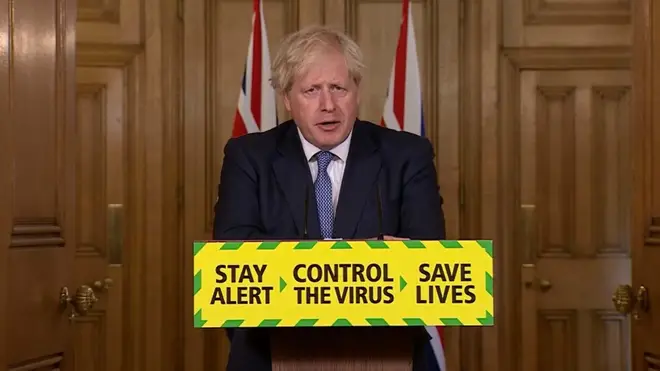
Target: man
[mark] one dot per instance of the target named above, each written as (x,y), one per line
(325,173)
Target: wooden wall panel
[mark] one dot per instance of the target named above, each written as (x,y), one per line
(646,174)
(480,30)
(37,193)
(110,21)
(534,23)
(378,41)
(160,202)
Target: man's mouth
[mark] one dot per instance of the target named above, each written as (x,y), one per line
(328,123)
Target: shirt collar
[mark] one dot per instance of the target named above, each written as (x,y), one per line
(340,151)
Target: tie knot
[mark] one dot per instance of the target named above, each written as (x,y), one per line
(324,158)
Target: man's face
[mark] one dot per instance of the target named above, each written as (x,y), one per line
(324,101)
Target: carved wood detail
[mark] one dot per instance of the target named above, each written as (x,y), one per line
(652,362)
(105,55)
(558,351)
(611,340)
(36,232)
(46,363)
(653,237)
(102,11)
(544,12)
(559,58)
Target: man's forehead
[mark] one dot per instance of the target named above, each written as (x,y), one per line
(324,75)
(324,80)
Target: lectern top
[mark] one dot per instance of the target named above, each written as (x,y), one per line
(343,283)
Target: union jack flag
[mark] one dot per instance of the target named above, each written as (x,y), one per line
(257,110)
(403,111)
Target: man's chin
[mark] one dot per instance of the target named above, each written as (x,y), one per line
(329,140)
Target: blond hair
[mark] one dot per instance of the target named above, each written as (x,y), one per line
(298,48)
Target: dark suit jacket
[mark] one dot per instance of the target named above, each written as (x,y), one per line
(265,182)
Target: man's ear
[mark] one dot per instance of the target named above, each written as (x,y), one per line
(287,102)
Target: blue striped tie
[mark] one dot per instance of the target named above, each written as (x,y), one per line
(323,188)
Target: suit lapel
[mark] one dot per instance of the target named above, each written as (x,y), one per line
(295,181)
(362,169)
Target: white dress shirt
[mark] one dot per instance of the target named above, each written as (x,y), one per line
(335,168)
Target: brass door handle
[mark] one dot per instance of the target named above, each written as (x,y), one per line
(542,284)
(81,302)
(85,297)
(626,301)
(103,285)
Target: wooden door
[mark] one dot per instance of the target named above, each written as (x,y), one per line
(79,208)
(38,231)
(641,300)
(108,42)
(564,160)
(129,191)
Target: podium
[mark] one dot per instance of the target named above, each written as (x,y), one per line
(343,305)
(345,348)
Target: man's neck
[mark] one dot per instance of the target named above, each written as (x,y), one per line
(340,150)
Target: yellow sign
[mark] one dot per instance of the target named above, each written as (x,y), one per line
(343,283)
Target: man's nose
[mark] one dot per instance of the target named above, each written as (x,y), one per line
(327,101)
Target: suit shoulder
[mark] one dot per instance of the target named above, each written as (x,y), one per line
(256,144)
(399,141)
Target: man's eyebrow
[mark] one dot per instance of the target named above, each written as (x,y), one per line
(315,85)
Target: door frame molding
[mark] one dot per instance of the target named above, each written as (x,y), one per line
(645,16)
